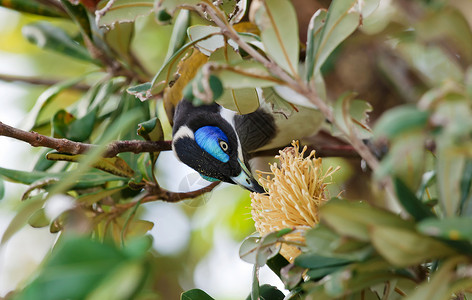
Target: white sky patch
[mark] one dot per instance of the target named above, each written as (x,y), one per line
(223,273)
(171,231)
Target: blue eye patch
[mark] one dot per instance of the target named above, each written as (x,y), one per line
(208,138)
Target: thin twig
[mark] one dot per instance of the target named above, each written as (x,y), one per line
(155,193)
(67,146)
(40,81)
(164,195)
(296,84)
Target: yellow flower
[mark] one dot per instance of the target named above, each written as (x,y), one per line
(295,192)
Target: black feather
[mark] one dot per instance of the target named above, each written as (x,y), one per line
(255,130)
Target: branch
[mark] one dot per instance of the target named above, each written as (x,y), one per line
(40,81)
(67,146)
(160,194)
(296,84)
(155,193)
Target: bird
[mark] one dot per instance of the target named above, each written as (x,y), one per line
(218,142)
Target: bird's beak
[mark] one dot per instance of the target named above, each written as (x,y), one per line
(246,180)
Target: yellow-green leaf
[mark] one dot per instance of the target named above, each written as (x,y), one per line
(91,198)
(123,11)
(403,247)
(114,165)
(187,69)
(278,24)
(356,219)
(38,219)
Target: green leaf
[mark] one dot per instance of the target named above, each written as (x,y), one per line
(179,32)
(151,130)
(403,247)
(38,219)
(65,125)
(86,180)
(468,82)
(315,26)
(277,263)
(268,292)
(318,273)
(46,36)
(113,165)
(452,149)
(453,228)
(357,219)
(24,212)
(138,246)
(255,288)
(142,91)
(239,78)
(449,24)
(278,104)
(206,86)
(119,39)
(170,6)
(46,98)
(245,74)
(351,116)
(257,250)
(122,283)
(278,24)
(466,183)
(60,123)
(33,7)
(356,277)
(79,266)
(2,189)
(320,238)
(315,261)
(81,129)
(122,11)
(417,209)
(80,16)
(431,63)
(405,159)
(195,294)
(137,229)
(437,287)
(243,101)
(91,198)
(399,120)
(169,69)
(43,164)
(210,38)
(342,19)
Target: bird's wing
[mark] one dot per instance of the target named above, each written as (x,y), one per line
(263,129)
(255,129)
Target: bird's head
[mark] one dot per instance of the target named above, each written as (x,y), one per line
(204,138)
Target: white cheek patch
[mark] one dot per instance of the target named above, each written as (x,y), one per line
(183,131)
(228,115)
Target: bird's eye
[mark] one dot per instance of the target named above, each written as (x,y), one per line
(224,145)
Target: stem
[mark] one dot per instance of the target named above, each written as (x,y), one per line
(66,146)
(40,81)
(164,195)
(297,85)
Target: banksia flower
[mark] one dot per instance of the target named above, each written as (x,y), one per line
(295,191)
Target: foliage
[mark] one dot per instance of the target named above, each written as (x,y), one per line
(409,239)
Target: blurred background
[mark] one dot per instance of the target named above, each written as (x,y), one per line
(196,242)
